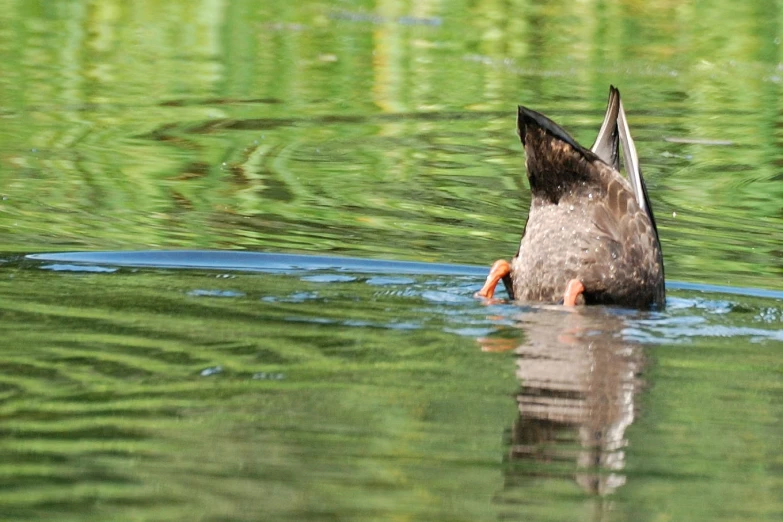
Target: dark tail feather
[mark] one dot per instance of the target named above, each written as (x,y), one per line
(554,160)
(530,120)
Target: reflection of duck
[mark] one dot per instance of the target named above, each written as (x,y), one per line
(590,234)
(579,381)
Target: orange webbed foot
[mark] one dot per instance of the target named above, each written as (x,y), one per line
(573,290)
(500,270)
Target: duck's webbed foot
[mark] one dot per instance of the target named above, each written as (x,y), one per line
(500,270)
(574,290)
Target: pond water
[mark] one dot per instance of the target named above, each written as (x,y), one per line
(240,241)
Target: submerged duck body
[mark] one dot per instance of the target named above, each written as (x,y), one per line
(590,236)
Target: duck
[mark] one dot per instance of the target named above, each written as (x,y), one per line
(590,235)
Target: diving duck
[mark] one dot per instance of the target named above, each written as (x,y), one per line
(590,236)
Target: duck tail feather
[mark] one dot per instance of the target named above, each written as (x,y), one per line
(528,120)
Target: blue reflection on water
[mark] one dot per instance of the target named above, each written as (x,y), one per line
(291,263)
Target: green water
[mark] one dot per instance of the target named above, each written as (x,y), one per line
(381,131)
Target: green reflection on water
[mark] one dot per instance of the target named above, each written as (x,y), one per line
(107,410)
(379,130)
(188,394)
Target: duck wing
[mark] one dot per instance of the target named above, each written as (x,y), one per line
(631,161)
(607,142)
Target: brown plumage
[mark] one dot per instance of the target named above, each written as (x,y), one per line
(590,234)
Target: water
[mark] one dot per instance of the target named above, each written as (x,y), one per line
(233,385)
(240,242)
